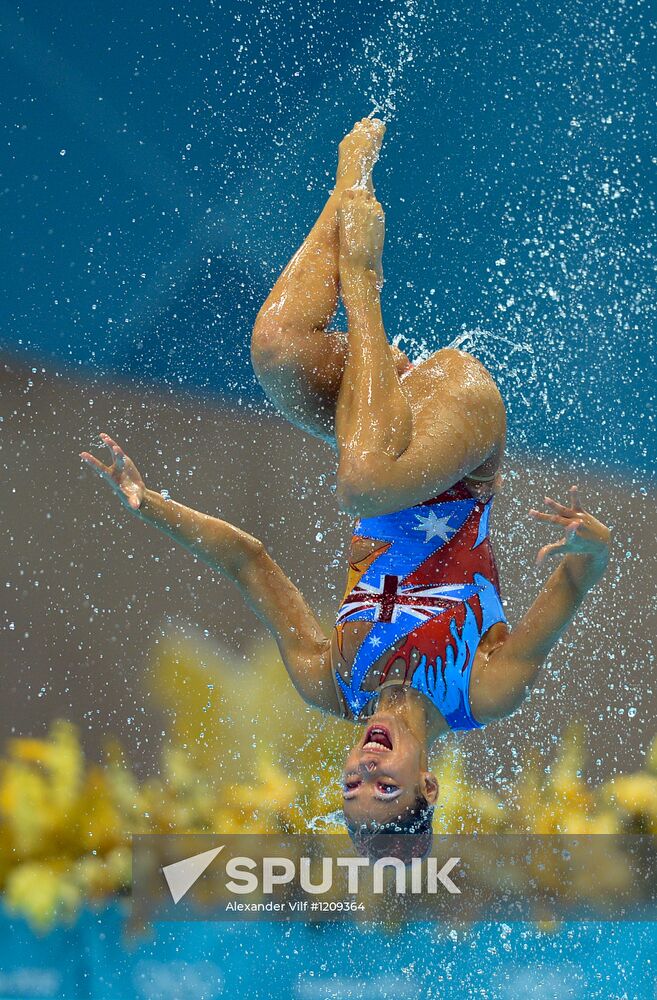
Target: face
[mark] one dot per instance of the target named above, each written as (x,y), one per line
(384,773)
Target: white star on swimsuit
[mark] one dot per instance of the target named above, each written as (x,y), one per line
(375,641)
(435,527)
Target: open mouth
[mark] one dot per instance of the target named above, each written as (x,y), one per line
(377,740)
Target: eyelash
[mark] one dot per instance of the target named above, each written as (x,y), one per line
(385,788)
(388,789)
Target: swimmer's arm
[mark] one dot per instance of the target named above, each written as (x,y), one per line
(241,557)
(221,545)
(224,547)
(506,679)
(266,590)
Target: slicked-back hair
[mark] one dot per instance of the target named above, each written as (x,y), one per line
(407,837)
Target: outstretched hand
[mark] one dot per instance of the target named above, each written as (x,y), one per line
(583,532)
(122,474)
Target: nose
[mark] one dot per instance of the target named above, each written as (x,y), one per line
(366,766)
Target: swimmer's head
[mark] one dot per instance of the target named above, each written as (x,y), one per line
(387,789)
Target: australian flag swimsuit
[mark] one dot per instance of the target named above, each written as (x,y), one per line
(433,583)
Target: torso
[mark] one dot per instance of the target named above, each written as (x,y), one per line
(398,661)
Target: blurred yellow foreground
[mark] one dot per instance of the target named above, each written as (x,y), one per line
(251,758)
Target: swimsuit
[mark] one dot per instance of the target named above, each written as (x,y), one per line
(433,583)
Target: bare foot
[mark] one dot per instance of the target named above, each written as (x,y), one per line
(358,152)
(362,231)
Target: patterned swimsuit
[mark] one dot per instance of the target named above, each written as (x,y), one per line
(433,583)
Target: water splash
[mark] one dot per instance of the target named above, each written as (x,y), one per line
(325,821)
(514,362)
(386,58)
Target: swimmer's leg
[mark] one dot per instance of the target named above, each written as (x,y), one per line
(399,445)
(299,363)
(373,412)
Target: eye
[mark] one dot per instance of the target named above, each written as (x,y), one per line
(386,788)
(350,784)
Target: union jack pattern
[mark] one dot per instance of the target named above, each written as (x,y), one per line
(390,599)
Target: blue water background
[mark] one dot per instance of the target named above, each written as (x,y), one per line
(203,961)
(164,163)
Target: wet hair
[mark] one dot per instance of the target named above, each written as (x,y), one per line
(406,837)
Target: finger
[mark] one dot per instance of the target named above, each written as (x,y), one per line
(106,439)
(548,550)
(118,453)
(574,498)
(552,518)
(559,507)
(92,460)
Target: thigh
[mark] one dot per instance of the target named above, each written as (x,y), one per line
(453,395)
(452,389)
(302,374)
(458,428)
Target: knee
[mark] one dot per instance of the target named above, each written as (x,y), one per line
(269,346)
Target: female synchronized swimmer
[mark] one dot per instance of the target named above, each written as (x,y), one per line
(421,644)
